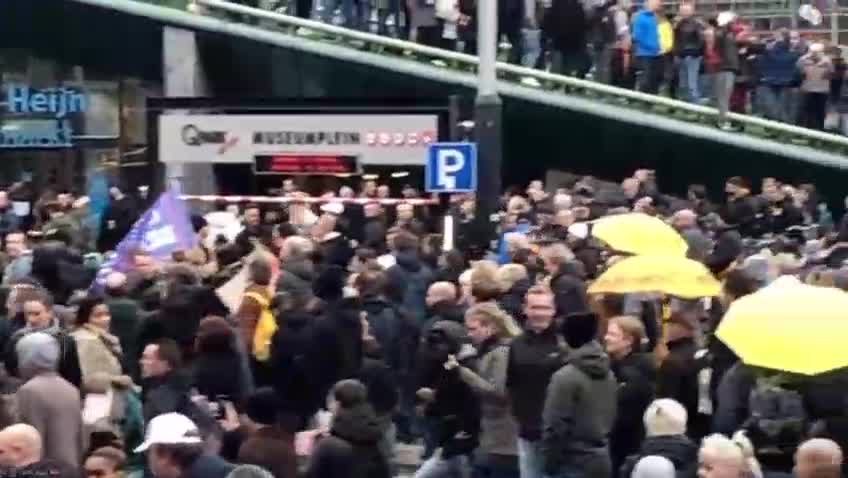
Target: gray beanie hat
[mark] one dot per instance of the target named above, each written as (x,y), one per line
(37,352)
(653,466)
(249,471)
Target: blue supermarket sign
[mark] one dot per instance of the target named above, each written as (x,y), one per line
(451,168)
(40,117)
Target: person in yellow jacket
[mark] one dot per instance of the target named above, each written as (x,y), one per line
(666,33)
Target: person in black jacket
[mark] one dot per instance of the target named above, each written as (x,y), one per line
(742,208)
(294,381)
(533,358)
(567,285)
(636,374)
(449,404)
(566,25)
(336,350)
(218,371)
(351,448)
(689,49)
(38,313)
(677,377)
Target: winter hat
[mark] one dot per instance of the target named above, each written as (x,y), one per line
(580,329)
(249,471)
(329,285)
(261,406)
(37,352)
(653,466)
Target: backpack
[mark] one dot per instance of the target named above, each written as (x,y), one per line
(265,328)
(777,417)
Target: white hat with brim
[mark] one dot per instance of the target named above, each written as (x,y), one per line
(170,429)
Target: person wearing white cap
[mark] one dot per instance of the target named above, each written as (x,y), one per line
(175,450)
(816,70)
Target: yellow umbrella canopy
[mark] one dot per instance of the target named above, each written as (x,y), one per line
(677,276)
(789,326)
(638,233)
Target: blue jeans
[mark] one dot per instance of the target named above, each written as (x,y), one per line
(436,467)
(532,40)
(530,459)
(689,73)
(775,102)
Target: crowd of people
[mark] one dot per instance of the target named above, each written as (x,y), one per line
(715,60)
(353,330)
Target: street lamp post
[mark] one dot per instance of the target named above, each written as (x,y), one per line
(487,119)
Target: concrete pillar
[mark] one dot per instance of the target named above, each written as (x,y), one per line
(184,77)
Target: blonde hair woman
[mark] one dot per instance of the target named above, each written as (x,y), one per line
(491,330)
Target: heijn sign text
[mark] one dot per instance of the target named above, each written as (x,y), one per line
(40,118)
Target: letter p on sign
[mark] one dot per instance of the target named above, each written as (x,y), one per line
(451,168)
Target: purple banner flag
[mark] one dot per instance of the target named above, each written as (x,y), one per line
(163,229)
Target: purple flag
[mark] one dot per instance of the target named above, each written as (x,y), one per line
(163,229)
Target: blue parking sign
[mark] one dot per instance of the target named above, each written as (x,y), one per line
(451,168)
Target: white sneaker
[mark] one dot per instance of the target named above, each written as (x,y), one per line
(530,81)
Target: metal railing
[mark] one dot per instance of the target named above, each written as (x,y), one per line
(413,52)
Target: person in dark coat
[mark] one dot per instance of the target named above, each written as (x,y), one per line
(409,278)
(351,447)
(665,425)
(636,375)
(117,221)
(566,25)
(297,389)
(218,370)
(514,284)
(336,350)
(568,286)
(742,208)
(39,316)
(442,305)
(165,387)
(533,359)
(383,393)
(174,448)
(271,445)
(126,316)
(580,405)
(677,377)
(450,406)
(297,270)
(374,230)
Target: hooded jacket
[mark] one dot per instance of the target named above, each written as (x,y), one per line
(778,65)
(579,413)
(351,449)
(296,276)
(411,278)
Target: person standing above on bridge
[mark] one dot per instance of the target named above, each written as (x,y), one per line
(725,80)
(689,48)
(566,26)
(816,71)
(646,41)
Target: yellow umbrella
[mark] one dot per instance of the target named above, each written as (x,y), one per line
(638,233)
(789,326)
(677,276)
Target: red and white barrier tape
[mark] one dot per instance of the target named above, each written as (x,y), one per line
(307,200)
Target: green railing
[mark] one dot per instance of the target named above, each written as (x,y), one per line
(459,67)
(527,77)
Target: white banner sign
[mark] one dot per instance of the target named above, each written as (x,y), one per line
(374,139)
